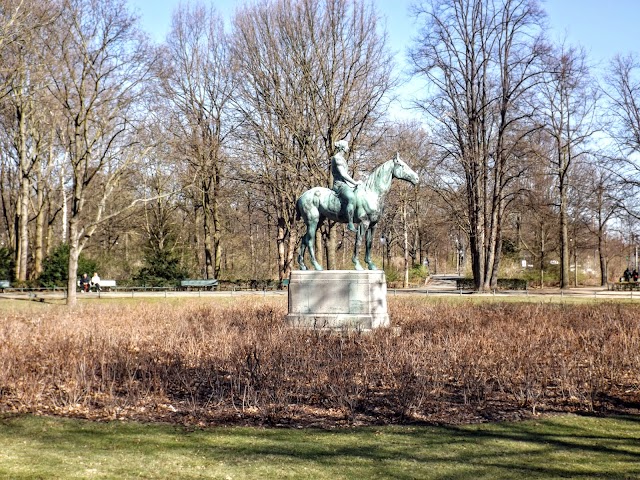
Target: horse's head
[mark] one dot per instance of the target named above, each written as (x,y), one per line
(403,171)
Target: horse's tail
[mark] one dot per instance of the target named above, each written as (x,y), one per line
(298,216)
(300,206)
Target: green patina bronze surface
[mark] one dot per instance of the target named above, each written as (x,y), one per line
(351,202)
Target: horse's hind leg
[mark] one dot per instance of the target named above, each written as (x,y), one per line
(310,240)
(303,248)
(311,219)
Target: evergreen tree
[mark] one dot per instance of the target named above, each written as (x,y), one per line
(55,267)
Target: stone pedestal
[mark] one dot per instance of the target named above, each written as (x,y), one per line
(335,299)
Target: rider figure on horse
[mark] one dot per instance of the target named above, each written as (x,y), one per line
(343,184)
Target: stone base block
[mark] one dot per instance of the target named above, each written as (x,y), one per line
(335,299)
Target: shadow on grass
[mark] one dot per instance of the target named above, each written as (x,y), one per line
(557,447)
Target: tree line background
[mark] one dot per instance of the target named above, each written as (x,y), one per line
(155,162)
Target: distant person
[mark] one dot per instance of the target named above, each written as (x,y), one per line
(634,275)
(626,275)
(85,283)
(95,281)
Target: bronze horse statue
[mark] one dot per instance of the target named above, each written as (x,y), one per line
(319,203)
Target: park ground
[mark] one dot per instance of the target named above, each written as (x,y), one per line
(564,446)
(576,442)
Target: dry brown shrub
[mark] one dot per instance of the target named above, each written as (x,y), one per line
(206,363)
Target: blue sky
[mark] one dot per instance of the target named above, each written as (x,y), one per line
(603,27)
(156,16)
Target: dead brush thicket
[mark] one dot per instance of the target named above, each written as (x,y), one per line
(210,364)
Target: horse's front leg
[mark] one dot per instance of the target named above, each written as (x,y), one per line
(356,248)
(368,244)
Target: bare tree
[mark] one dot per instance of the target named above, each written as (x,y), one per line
(315,71)
(481,59)
(407,216)
(8,186)
(568,97)
(199,86)
(623,97)
(22,83)
(605,197)
(535,217)
(18,20)
(102,64)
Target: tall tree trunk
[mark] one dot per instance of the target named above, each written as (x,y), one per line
(207,236)
(217,240)
(280,244)
(542,256)
(23,230)
(212,227)
(492,240)
(38,251)
(405,233)
(252,243)
(564,235)
(291,250)
(23,202)
(65,206)
(603,261)
(496,260)
(74,254)
(477,237)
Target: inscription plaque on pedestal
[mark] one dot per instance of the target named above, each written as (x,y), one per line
(335,299)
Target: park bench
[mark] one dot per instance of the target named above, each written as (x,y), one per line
(4,284)
(198,284)
(624,286)
(107,285)
(502,284)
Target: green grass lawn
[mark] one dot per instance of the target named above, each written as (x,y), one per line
(565,446)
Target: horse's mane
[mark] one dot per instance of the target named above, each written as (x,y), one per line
(374,177)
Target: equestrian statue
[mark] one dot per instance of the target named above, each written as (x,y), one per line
(351,202)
